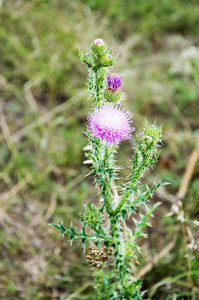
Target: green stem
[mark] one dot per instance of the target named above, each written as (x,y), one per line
(93,237)
(120,260)
(107,182)
(99,78)
(133,184)
(97,89)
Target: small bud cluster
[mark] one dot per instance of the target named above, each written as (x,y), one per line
(98,57)
(97,256)
(91,216)
(99,47)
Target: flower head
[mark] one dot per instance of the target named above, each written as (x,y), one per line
(113,82)
(99,47)
(98,42)
(152,134)
(111,123)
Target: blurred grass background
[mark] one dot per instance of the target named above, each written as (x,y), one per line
(43,109)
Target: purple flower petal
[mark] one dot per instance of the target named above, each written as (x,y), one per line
(113,82)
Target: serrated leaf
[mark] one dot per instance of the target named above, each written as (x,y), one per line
(135,221)
(60,227)
(55,226)
(72,229)
(72,238)
(84,242)
(96,242)
(144,235)
(123,213)
(155,206)
(84,229)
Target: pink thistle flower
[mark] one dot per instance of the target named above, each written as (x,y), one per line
(111,123)
(98,42)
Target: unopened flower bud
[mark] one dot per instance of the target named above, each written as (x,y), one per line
(99,47)
(152,134)
(112,96)
(113,92)
(107,60)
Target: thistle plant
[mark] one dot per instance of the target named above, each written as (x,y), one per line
(111,246)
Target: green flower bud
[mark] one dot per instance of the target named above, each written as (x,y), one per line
(107,60)
(92,216)
(152,134)
(99,47)
(112,96)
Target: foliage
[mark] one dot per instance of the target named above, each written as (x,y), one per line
(149,18)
